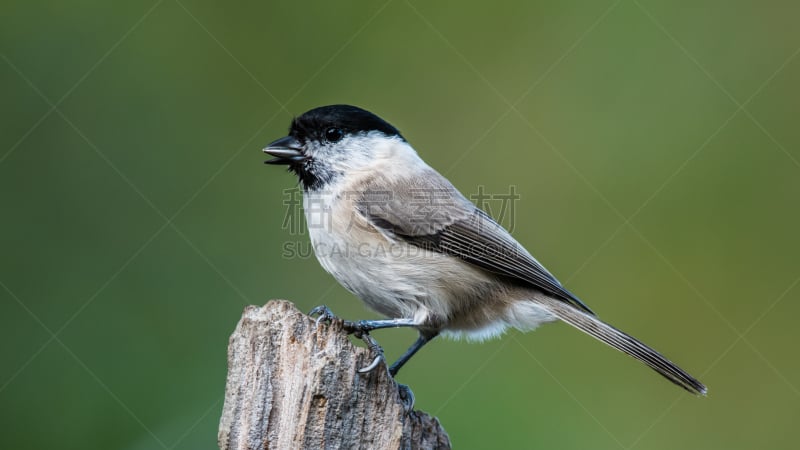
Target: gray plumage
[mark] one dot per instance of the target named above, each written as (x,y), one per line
(398,235)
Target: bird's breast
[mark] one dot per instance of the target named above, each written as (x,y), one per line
(392,277)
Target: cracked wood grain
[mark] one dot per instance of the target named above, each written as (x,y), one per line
(293,384)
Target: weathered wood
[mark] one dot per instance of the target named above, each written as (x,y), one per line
(292,384)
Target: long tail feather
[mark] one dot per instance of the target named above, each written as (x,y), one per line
(627,344)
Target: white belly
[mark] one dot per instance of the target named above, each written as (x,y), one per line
(399,280)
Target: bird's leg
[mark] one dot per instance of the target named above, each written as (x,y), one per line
(406,396)
(362,326)
(361,330)
(423,339)
(365,326)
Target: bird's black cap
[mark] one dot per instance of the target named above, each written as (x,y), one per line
(349,119)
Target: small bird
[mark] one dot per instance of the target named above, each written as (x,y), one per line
(401,237)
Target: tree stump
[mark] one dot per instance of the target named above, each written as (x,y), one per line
(293,384)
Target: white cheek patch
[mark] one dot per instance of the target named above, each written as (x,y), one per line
(363,154)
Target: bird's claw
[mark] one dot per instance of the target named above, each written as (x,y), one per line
(324,314)
(406,396)
(372,344)
(371,365)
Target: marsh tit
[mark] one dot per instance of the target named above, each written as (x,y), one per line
(397,234)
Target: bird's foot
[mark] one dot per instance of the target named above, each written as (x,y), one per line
(323,313)
(374,348)
(358,329)
(406,396)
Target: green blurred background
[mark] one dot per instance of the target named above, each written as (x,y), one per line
(652,144)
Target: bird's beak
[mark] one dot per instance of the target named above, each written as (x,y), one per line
(286,150)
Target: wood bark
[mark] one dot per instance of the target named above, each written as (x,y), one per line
(293,384)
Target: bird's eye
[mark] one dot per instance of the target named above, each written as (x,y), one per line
(334,134)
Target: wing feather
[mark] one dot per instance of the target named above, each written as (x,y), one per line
(439,218)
